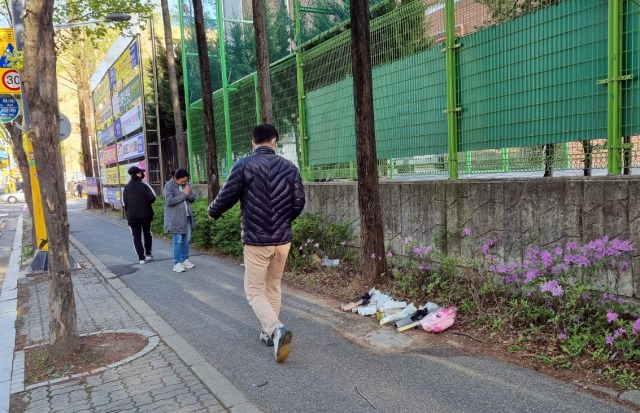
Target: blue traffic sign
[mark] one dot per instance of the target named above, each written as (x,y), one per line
(9,108)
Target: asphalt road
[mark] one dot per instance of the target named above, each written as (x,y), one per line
(333,367)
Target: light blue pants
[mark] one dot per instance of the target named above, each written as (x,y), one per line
(181,244)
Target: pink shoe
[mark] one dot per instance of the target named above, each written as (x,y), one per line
(440,320)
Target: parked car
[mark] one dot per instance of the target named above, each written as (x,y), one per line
(13,197)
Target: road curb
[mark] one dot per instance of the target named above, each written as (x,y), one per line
(8,316)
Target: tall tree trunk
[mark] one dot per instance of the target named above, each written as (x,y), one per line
(626,155)
(183,160)
(587,148)
(549,150)
(207,102)
(372,259)
(41,91)
(262,60)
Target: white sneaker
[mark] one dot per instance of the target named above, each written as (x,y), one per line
(187,264)
(143,261)
(178,268)
(281,343)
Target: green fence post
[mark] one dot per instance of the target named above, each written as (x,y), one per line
(185,81)
(452,109)
(225,85)
(257,97)
(302,122)
(505,159)
(614,89)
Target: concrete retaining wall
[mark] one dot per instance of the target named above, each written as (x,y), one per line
(552,211)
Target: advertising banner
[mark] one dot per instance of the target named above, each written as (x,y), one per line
(118,106)
(124,99)
(102,104)
(129,122)
(124,175)
(112,196)
(132,147)
(125,68)
(108,155)
(106,136)
(92,186)
(111,176)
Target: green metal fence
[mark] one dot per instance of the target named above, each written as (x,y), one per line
(484,92)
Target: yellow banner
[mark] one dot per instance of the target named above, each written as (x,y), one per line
(111,176)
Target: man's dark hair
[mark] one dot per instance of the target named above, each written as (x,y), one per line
(264,133)
(181,173)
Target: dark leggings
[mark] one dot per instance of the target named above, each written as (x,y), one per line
(137,230)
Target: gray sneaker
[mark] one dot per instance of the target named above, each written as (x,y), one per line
(265,337)
(282,343)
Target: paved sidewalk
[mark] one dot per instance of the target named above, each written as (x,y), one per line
(158,379)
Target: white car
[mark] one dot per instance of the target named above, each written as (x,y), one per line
(13,197)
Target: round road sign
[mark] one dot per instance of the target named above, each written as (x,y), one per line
(11,80)
(65,127)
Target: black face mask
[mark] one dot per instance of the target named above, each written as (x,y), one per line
(142,173)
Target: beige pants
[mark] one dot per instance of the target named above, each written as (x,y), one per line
(263,267)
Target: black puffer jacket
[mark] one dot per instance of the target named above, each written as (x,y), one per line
(271,196)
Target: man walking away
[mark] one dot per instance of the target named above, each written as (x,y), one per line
(137,199)
(271,196)
(178,217)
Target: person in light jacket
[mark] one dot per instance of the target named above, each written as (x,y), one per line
(269,188)
(178,217)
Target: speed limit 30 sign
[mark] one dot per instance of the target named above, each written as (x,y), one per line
(10,81)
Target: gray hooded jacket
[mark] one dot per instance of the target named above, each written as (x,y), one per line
(176,207)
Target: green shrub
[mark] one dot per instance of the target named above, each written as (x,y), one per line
(202,226)
(313,235)
(157,225)
(225,233)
